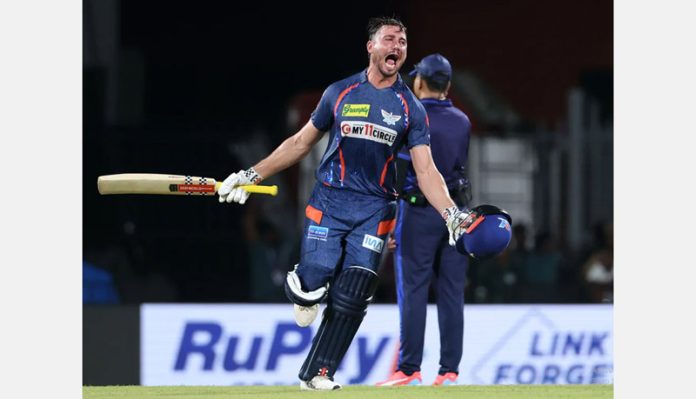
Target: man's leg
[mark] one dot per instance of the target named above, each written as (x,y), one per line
(345,310)
(351,291)
(307,285)
(451,279)
(415,254)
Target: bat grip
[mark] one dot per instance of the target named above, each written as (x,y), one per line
(255,189)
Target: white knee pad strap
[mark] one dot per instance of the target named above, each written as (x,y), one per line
(292,282)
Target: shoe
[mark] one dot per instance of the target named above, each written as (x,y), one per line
(400,378)
(446,379)
(319,383)
(305,315)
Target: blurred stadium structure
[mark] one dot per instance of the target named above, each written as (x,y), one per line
(207,90)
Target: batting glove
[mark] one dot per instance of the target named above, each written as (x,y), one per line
(458,222)
(230,191)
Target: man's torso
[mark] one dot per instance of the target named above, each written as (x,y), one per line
(367,127)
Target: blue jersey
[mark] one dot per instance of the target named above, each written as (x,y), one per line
(367,127)
(450,129)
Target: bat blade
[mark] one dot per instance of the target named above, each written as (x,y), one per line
(163,184)
(153,183)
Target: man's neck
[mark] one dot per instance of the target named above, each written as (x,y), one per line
(425,94)
(378,80)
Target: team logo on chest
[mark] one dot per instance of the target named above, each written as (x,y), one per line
(389,118)
(368,131)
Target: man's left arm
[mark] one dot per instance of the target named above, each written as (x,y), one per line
(433,186)
(429,178)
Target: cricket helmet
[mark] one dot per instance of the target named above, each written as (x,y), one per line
(489,236)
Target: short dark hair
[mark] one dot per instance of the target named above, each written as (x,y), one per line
(435,85)
(375,23)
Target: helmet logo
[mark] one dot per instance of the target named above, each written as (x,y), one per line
(504,224)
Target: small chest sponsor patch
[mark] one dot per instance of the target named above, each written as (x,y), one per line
(317,233)
(360,110)
(373,243)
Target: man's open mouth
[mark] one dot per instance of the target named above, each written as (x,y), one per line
(392,59)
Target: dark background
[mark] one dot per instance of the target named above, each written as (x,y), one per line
(181,84)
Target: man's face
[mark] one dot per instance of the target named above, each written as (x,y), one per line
(388,50)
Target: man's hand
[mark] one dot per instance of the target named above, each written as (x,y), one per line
(458,222)
(391,243)
(230,191)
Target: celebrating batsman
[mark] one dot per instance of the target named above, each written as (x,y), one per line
(369,116)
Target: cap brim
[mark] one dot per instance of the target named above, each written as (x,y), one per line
(413,72)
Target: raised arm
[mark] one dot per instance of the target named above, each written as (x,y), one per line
(288,153)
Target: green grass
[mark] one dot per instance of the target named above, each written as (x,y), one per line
(355,392)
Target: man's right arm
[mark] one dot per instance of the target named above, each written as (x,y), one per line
(291,151)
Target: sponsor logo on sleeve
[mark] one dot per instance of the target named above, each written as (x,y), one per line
(317,233)
(373,243)
(368,131)
(359,110)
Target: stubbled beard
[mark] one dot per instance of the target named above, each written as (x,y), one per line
(385,73)
(378,64)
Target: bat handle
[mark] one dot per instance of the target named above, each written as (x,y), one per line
(270,190)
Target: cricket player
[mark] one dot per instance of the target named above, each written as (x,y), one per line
(422,253)
(369,117)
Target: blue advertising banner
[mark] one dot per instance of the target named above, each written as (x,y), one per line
(239,344)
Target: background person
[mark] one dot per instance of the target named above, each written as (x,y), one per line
(423,255)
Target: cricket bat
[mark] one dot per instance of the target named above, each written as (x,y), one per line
(155,183)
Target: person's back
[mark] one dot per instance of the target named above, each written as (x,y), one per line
(449,143)
(449,126)
(449,133)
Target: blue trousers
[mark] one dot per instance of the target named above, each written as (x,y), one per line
(342,228)
(423,256)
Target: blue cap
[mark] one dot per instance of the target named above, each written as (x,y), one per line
(433,67)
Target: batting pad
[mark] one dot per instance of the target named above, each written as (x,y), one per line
(347,305)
